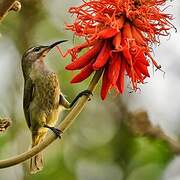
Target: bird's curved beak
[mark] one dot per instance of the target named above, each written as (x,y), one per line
(48,48)
(56,43)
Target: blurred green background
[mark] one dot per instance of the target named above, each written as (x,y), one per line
(98,146)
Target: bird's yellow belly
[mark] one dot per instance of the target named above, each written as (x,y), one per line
(45,107)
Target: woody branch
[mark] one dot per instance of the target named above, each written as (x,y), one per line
(140,125)
(8,5)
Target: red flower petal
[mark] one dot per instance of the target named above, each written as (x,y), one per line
(138,36)
(103,56)
(119,23)
(153,61)
(125,51)
(142,68)
(142,25)
(120,81)
(127,31)
(117,41)
(141,58)
(107,33)
(105,84)
(139,74)
(85,58)
(131,73)
(84,74)
(127,55)
(114,69)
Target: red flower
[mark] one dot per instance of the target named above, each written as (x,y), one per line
(119,35)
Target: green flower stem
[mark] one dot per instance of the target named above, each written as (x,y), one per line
(64,125)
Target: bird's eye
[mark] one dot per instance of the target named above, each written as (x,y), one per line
(37,49)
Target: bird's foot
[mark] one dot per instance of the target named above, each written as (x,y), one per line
(56,131)
(85,93)
(82,93)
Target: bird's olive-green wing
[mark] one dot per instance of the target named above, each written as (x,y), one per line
(28,95)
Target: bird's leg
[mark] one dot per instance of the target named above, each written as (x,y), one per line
(64,102)
(56,131)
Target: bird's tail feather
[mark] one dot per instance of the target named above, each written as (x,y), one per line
(36,162)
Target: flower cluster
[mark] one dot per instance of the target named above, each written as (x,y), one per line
(119,35)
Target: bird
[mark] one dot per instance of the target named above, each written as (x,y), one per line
(43,100)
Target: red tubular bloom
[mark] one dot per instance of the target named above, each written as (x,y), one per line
(114,69)
(107,33)
(84,73)
(120,80)
(86,58)
(105,84)
(117,42)
(119,35)
(102,57)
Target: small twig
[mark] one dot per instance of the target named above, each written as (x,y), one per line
(64,125)
(8,5)
(16,6)
(4,124)
(139,124)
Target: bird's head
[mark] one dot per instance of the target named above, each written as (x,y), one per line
(36,53)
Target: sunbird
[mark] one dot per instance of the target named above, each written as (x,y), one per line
(43,100)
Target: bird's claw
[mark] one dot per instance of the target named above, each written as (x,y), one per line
(56,131)
(86,93)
